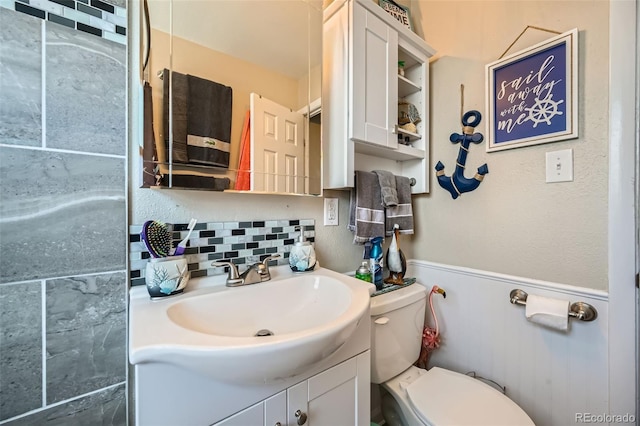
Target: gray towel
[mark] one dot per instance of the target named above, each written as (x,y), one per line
(366,215)
(180,95)
(197,182)
(402,214)
(387,187)
(208,122)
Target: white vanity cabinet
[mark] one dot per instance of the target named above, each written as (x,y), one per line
(336,396)
(361,88)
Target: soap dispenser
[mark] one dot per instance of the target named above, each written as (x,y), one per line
(302,257)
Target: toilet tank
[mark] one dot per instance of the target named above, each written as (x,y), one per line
(397,320)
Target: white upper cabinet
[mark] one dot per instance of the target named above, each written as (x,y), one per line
(374,69)
(362,87)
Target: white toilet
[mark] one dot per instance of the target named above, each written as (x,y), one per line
(413,396)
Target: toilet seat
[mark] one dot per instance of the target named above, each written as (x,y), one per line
(444,397)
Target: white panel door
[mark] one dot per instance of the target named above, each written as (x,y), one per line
(277,147)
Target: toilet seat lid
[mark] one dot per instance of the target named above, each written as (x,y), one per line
(444,397)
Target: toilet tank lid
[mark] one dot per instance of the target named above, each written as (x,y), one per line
(444,397)
(396,299)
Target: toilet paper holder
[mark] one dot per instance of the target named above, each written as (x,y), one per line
(579,310)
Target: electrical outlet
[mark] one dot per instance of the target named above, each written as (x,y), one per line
(560,166)
(330,211)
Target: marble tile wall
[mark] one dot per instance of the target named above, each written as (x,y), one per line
(243,243)
(63,234)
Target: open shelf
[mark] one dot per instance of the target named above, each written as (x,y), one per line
(406,87)
(402,153)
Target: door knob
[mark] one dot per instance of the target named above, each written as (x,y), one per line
(302,417)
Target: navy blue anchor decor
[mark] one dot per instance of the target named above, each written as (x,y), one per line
(457,184)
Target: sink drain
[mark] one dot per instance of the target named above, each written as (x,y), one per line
(264,332)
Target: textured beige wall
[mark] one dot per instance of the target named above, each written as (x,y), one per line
(515,223)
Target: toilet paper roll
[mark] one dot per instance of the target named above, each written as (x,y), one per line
(552,313)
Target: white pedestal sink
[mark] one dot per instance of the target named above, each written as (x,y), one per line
(219,331)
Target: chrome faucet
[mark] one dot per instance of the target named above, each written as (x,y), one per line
(256,273)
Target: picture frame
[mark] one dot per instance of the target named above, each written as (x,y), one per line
(532,95)
(399,12)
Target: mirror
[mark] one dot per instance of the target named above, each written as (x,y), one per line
(267,55)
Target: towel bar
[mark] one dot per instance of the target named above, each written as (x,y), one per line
(412,181)
(579,310)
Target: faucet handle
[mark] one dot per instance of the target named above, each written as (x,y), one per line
(233,269)
(263,268)
(265,262)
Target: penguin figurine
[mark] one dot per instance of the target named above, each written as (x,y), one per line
(396,262)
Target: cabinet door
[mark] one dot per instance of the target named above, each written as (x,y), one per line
(275,410)
(270,412)
(333,395)
(373,74)
(297,411)
(253,415)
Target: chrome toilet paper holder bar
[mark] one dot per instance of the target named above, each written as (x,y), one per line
(579,310)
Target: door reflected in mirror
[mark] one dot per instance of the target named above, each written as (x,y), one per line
(268,48)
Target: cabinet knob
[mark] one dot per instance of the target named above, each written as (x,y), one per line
(302,417)
(278,424)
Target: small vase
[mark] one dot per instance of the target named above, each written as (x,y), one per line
(166,276)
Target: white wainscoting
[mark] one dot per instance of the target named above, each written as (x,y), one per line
(552,375)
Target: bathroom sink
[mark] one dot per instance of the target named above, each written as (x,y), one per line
(258,333)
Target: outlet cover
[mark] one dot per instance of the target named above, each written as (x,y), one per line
(331,212)
(559,166)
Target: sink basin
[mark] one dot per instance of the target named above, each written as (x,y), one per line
(293,305)
(258,333)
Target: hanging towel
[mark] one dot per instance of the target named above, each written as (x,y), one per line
(196,182)
(366,214)
(387,188)
(180,95)
(402,213)
(149,154)
(243,178)
(208,122)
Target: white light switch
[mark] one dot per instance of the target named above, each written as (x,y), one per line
(560,166)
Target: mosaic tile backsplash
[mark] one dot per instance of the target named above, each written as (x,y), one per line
(103,18)
(243,243)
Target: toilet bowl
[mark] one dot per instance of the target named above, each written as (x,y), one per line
(413,396)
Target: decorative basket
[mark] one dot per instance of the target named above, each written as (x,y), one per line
(407,113)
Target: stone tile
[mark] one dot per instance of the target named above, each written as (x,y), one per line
(21,82)
(20,348)
(60,214)
(120,3)
(85,92)
(106,408)
(86,334)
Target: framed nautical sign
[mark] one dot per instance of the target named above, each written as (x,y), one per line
(399,12)
(532,95)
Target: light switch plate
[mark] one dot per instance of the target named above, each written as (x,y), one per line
(331,212)
(560,166)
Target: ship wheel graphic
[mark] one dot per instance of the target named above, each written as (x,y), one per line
(544,110)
